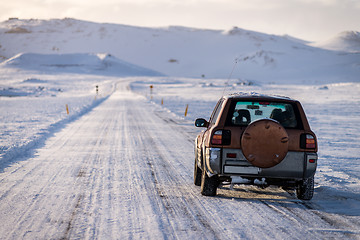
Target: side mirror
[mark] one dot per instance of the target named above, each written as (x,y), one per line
(200,122)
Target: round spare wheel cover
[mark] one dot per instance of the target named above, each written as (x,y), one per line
(265,143)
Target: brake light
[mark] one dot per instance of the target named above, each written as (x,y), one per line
(264,103)
(217,137)
(308,141)
(221,137)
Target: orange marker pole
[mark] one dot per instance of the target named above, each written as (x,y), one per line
(67,109)
(186,109)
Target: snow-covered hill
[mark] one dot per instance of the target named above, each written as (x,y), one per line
(103,64)
(185,52)
(348,41)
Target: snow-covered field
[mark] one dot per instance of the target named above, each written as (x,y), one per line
(36,118)
(33,105)
(120,164)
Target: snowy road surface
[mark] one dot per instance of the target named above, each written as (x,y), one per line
(124,171)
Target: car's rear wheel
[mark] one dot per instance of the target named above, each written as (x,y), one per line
(197,174)
(209,184)
(305,189)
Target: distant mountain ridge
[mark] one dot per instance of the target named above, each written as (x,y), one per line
(184,52)
(347,41)
(104,64)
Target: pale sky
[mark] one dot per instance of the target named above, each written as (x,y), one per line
(312,20)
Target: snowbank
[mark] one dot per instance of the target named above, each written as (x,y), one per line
(33,108)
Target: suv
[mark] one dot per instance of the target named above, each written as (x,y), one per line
(256,139)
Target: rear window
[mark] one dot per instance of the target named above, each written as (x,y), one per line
(243,113)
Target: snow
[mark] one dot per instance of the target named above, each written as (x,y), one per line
(120,165)
(103,64)
(185,52)
(348,41)
(34,108)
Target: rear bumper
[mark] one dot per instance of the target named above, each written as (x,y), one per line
(231,162)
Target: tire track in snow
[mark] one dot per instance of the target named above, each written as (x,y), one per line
(32,190)
(132,180)
(176,207)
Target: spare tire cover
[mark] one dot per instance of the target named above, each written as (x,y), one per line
(265,143)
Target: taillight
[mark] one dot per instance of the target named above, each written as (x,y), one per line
(217,137)
(310,141)
(221,137)
(307,141)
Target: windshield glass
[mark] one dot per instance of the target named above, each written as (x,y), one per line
(244,113)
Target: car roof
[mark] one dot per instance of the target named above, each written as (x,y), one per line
(257,96)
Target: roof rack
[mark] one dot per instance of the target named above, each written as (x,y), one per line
(255,94)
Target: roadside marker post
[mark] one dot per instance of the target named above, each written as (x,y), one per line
(186,109)
(67,109)
(151,91)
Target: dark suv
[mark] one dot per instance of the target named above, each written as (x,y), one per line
(256,139)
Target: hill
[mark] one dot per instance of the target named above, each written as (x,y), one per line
(185,52)
(103,64)
(348,41)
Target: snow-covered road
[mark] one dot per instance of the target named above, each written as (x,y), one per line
(124,171)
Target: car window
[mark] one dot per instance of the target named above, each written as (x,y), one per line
(243,113)
(216,112)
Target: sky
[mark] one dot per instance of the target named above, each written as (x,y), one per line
(311,20)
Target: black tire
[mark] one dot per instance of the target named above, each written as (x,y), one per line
(305,189)
(209,184)
(197,174)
